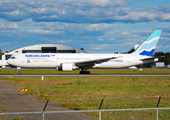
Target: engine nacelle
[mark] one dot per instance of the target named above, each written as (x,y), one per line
(66,67)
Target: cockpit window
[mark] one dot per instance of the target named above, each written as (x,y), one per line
(12,57)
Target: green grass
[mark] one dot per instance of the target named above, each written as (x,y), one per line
(86,93)
(92,71)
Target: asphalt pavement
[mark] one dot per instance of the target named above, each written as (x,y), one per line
(12,100)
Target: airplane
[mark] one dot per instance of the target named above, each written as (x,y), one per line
(84,61)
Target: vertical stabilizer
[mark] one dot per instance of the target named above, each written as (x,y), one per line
(148,47)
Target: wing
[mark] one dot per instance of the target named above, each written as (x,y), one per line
(90,63)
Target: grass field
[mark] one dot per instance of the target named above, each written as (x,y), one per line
(92,71)
(86,93)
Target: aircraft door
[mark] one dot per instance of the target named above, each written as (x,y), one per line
(22,59)
(52,60)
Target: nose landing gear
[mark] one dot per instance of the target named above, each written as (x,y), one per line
(19,72)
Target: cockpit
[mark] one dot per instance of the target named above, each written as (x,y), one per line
(12,58)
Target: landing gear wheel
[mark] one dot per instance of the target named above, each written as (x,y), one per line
(19,72)
(84,72)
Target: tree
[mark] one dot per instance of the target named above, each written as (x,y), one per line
(163,57)
(81,48)
(1,54)
(131,50)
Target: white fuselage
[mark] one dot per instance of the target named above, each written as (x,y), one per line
(54,60)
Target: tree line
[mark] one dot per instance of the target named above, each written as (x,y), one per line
(1,53)
(163,57)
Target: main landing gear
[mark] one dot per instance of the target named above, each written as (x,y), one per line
(19,72)
(84,72)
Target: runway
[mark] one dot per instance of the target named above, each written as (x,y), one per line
(86,75)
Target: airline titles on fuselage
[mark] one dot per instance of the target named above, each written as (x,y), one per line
(38,58)
(45,58)
(119,59)
(38,55)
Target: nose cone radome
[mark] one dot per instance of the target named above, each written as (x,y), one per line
(10,61)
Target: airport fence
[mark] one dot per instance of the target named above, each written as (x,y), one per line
(156,113)
(99,112)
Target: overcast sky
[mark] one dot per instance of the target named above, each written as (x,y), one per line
(95,25)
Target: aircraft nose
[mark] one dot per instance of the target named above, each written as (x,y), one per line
(10,61)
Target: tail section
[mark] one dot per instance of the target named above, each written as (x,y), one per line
(148,47)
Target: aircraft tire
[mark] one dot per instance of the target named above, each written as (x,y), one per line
(19,72)
(81,72)
(84,72)
(88,72)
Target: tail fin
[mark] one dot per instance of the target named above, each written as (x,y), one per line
(148,47)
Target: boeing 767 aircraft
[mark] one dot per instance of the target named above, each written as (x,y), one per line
(84,61)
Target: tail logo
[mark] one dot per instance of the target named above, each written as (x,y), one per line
(148,47)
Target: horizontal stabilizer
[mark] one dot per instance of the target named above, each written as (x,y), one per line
(152,58)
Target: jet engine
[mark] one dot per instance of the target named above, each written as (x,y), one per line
(66,67)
